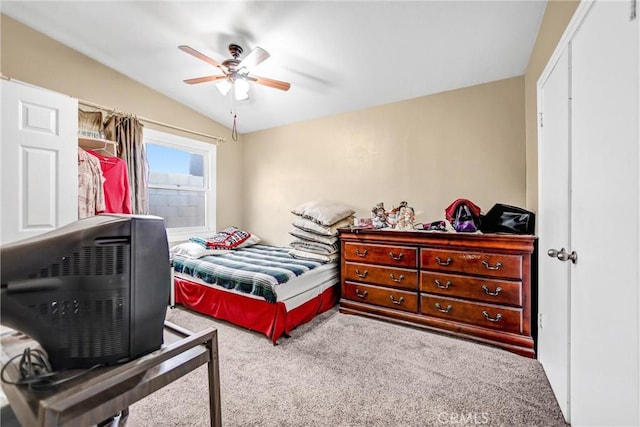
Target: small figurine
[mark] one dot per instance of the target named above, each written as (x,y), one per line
(392,218)
(406,218)
(379,216)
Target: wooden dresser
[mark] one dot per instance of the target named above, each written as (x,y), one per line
(475,286)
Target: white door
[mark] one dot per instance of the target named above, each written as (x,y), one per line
(553,297)
(590,348)
(604,223)
(39,159)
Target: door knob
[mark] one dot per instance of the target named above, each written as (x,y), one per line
(563,255)
(553,253)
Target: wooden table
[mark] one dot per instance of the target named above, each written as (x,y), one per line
(98,395)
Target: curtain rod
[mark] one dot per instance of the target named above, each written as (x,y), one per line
(154,122)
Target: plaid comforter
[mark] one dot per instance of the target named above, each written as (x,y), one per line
(256,270)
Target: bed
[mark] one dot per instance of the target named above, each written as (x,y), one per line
(259,287)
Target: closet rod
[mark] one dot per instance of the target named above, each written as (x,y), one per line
(154,122)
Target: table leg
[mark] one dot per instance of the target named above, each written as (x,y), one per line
(215,407)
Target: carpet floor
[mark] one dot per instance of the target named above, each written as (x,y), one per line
(347,370)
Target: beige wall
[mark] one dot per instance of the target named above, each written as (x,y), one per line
(478,143)
(31,57)
(557,15)
(467,143)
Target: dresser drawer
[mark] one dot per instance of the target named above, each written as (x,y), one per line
(397,256)
(386,297)
(489,290)
(507,319)
(380,275)
(478,263)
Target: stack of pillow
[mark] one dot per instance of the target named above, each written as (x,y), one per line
(315,228)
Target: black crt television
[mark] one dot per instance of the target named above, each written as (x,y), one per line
(92,292)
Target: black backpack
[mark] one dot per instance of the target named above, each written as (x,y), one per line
(508,219)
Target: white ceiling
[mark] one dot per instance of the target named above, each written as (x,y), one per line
(338,56)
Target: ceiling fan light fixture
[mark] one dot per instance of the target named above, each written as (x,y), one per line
(236,73)
(223,86)
(241,88)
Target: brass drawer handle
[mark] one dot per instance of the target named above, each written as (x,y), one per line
(490,319)
(447,262)
(396,301)
(440,285)
(398,280)
(489,267)
(363,274)
(444,310)
(396,257)
(362,294)
(361,254)
(486,290)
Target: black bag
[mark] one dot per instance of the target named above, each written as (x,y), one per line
(508,219)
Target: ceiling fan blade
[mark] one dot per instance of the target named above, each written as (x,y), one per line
(276,84)
(255,57)
(202,56)
(204,79)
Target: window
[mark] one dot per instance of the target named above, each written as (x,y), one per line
(181,183)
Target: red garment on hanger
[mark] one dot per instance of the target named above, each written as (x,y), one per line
(116,183)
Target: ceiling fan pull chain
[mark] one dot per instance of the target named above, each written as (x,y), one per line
(234,131)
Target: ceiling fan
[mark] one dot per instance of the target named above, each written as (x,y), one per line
(235,72)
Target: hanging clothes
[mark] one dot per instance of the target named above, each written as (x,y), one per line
(90,185)
(127,131)
(116,183)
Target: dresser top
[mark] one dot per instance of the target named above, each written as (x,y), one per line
(441,238)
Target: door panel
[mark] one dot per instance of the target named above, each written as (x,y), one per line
(38,207)
(39,161)
(553,303)
(604,149)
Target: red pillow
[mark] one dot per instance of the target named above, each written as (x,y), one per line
(228,238)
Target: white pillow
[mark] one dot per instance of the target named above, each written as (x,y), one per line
(296,232)
(322,212)
(315,247)
(313,257)
(313,227)
(252,240)
(194,250)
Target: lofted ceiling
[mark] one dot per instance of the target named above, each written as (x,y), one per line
(338,56)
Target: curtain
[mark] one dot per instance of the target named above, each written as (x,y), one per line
(127,131)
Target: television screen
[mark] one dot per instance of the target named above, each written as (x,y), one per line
(92,292)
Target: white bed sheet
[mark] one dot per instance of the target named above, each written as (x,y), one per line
(295,291)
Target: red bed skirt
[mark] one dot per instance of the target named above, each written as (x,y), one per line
(273,320)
